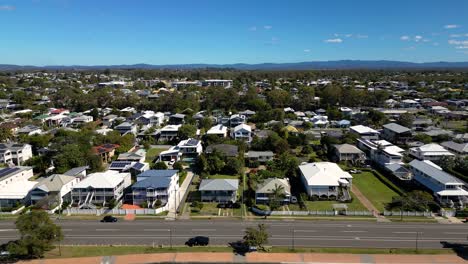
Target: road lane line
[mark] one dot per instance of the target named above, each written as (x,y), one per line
(104,229)
(203,230)
(305,231)
(7,230)
(157,230)
(403,232)
(357,231)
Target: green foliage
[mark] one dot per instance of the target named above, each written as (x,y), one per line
(5,134)
(38,233)
(256,237)
(406,120)
(187,131)
(178,166)
(233,166)
(413,201)
(159,166)
(158,203)
(426,139)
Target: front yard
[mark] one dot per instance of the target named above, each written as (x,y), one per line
(152,153)
(355,205)
(375,191)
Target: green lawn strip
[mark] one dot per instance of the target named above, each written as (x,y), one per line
(153,152)
(411,219)
(377,192)
(223,176)
(92,251)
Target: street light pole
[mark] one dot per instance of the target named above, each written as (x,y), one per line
(417,238)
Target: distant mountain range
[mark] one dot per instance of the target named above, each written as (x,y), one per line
(311,65)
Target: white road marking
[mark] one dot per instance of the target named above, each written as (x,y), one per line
(357,231)
(403,232)
(107,229)
(203,230)
(455,233)
(157,230)
(306,231)
(7,230)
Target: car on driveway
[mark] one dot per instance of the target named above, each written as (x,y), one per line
(198,241)
(109,219)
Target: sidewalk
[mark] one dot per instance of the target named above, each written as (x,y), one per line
(180,195)
(258,258)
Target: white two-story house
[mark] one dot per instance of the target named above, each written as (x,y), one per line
(242,132)
(153,185)
(15,153)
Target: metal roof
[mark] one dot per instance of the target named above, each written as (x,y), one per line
(219,185)
(434,171)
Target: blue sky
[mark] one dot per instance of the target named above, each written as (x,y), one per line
(85,32)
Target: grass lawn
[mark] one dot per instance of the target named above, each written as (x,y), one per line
(355,205)
(90,251)
(223,176)
(153,152)
(208,209)
(377,192)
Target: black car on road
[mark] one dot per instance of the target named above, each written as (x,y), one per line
(109,219)
(198,241)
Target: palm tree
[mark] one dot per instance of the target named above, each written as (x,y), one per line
(277,193)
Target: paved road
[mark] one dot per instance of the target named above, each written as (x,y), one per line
(221,232)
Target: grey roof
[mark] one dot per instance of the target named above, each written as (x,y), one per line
(396,128)
(219,185)
(433,172)
(158,173)
(54,182)
(270,184)
(181,116)
(458,147)
(226,149)
(256,154)
(76,171)
(347,148)
(6,173)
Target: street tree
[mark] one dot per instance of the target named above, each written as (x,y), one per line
(256,237)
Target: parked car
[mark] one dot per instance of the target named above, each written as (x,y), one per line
(242,247)
(171,162)
(109,219)
(198,241)
(293,199)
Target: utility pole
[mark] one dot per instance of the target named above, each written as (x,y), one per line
(417,238)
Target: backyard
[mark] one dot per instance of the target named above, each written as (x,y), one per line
(152,153)
(375,191)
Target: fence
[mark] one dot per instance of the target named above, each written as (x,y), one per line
(143,211)
(13,212)
(307,213)
(407,213)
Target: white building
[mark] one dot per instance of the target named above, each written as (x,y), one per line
(365,132)
(57,187)
(242,132)
(189,147)
(126,128)
(100,188)
(218,130)
(432,152)
(15,153)
(448,189)
(217,82)
(153,185)
(381,152)
(14,185)
(323,180)
(169,132)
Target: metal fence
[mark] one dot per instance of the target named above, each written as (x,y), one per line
(307,213)
(407,213)
(115,211)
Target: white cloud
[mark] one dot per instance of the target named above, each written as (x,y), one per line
(462,47)
(410,48)
(7,8)
(404,38)
(362,36)
(452,26)
(335,40)
(418,38)
(307,50)
(253,28)
(267,27)
(459,35)
(458,42)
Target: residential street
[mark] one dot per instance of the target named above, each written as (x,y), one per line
(221,232)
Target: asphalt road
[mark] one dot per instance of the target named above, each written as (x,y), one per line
(282,233)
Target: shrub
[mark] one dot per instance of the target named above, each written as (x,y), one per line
(262,207)
(158,203)
(314,198)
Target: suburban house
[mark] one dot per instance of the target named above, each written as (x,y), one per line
(323,180)
(79,172)
(109,120)
(381,152)
(260,156)
(169,132)
(216,82)
(265,190)
(52,191)
(460,149)
(189,148)
(365,132)
(236,120)
(218,130)
(396,133)
(134,167)
(126,128)
(137,156)
(448,189)
(105,151)
(15,153)
(348,152)
(29,130)
(219,190)
(100,188)
(432,152)
(177,119)
(225,149)
(14,185)
(242,132)
(153,185)
(150,118)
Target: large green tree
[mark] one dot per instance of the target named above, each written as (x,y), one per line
(38,233)
(256,237)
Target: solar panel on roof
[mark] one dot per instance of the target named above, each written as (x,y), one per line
(138,166)
(7,171)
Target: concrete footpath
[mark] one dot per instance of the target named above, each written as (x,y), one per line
(258,258)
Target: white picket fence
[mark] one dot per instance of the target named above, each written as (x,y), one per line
(306,213)
(13,212)
(115,211)
(407,213)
